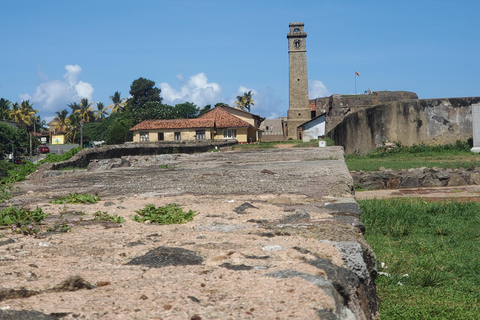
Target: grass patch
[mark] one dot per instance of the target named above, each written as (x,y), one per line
(76,198)
(169,214)
(431,253)
(274,144)
(22,220)
(51,157)
(454,156)
(104,216)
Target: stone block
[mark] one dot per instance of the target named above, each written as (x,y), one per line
(474,178)
(456,179)
(431,182)
(409,182)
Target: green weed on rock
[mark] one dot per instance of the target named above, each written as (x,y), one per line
(76,198)
(169,214)
(22,220)
(105,216)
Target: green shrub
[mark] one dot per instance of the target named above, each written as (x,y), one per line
(104,216)
(22,220)
(117,134)
(19,172)
(169,214)
(5,166)
(52,158)
(75,198)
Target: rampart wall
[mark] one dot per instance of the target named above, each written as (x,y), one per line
(337,106)
(432,121)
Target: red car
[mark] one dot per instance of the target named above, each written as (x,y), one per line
(44,149)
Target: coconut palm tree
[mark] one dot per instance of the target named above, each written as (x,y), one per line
(4,108)
(245,101)
(63,122)
(101,112)
(74,123)
(74,106)
(117,103)
(23,114)
(85,111)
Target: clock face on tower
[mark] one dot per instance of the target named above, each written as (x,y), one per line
(297,43)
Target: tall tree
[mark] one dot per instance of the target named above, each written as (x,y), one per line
(85,111)
(12,139)
(4,108)
(63,122)
(205,109)
(142,91)
(74,106)
(186,110)
(245,101)
(23,114)
(101,112)
(73,122)
(117,103)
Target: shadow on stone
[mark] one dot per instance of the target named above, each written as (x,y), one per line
(24,315)
(167,256)
(242,209)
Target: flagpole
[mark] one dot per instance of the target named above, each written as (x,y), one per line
(355,75)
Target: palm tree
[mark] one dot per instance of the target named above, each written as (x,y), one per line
(74,124)
(245,101)
(118,103)
(15,113)
(4,108)
(63,122)
(85,111)
(101,112)
(23,114)
(74,106)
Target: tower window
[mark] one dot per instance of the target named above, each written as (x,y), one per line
(296,30)
(299,114)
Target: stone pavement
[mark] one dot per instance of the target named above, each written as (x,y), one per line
(277,235)
(468,193)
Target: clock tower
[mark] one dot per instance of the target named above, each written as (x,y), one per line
(299,109)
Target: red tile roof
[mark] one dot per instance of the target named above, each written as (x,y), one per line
(224,119)
(216,118)
(174,124)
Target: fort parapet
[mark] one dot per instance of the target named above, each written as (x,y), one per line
(338,106)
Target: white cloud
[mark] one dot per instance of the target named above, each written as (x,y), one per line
(197,90)
(84,90)
(54,95)
(317,89)
(201,92)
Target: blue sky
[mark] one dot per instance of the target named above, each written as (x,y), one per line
(57,52)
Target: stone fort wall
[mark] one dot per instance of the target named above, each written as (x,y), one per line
(432,121)
(338,106)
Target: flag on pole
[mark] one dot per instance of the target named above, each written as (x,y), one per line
(357,74)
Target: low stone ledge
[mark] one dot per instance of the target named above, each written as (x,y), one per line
(415,178)
(85,156)
(277,235)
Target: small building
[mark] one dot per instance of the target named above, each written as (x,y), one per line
(312,129)
(273,130)
(253,119)
(55,136)
(216,124)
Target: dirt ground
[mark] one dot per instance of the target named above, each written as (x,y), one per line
(237,250)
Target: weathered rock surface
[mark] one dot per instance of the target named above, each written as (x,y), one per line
(262,245)
(415,178)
